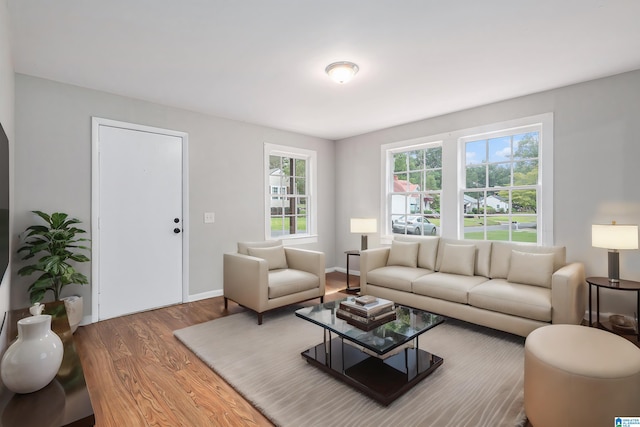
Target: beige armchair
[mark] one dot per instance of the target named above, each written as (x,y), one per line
(265,275)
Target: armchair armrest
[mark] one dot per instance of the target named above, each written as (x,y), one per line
(246,280)
(310,261)
(371,259)
(568,294)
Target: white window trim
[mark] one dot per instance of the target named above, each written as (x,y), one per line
(312,211)
(387,151)
(452,195)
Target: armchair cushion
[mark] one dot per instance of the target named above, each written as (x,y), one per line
(274,256)
(287,282)
(243,247)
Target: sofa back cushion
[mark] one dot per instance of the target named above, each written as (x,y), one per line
(530,269)
(458,259)
(243,247)
(483,254)
(501,256)
(427,251)
(403,254)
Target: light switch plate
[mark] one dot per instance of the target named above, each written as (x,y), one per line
(209,217)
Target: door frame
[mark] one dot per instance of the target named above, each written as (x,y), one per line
(96,122)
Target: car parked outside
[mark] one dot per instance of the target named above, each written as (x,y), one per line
(414,224)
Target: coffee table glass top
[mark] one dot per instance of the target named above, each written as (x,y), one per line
(409,323)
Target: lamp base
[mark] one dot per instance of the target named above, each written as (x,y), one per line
(363,242)
(614,266)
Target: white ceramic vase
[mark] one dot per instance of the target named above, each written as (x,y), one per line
(33,360)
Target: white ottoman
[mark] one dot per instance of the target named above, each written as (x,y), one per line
(579,376)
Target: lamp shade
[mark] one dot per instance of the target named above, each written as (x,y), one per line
(614,236)
(364,225)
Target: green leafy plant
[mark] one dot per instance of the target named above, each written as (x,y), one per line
(58,243)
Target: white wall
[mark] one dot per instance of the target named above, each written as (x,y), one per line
(7,120)
(596,167)
(53,172)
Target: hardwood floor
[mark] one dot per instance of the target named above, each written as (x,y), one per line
(138,374)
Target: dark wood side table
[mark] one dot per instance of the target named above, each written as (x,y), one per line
(622,285)
(65,401)
(350,289)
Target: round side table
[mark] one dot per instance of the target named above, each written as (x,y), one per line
(622,285)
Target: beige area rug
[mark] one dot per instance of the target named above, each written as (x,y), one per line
(479,384)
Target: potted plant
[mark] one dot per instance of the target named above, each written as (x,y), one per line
(59,245)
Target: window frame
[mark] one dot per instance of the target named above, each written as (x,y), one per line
(453,174)
(388,152)
(310,157)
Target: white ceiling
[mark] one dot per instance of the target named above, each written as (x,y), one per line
(262,61)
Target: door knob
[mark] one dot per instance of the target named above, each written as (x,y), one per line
(176,230)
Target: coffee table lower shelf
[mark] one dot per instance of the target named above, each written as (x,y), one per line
(384,380)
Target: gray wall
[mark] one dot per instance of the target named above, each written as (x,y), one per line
(7,120)
(596,167)
(53,171)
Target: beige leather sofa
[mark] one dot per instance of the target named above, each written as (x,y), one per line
(265,275)
(507,286)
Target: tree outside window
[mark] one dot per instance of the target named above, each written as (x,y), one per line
(501,194)
(290,197)
(414,189)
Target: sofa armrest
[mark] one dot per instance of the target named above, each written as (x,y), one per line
(371,259)
(246,280)
(310,261)
(568,294)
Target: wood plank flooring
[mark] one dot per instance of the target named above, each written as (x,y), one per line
(138,374)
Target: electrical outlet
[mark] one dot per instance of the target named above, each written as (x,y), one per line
(209,217)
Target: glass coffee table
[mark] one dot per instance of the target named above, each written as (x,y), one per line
(383,363)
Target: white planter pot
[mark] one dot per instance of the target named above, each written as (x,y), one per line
(33,360)
(74,306)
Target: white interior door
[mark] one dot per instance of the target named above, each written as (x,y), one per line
(140,220)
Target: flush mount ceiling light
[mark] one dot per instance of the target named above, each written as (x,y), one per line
(341,72)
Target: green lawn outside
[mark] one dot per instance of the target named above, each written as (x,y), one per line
(276,223)
(491,220)
(529,236)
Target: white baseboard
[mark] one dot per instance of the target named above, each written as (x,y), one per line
(205,295)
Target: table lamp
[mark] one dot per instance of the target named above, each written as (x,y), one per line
(364,226)
(614,237)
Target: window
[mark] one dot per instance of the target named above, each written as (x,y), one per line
(493,182)
(413,189)
(501,186)
(290,207)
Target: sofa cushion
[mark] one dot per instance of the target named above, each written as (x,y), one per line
(531,302)
(403,254)
(395,277)
(243,247)
(427,251)
(275,256)
(483,254)
(289,281)
(530,269)
(458,259)
(501,256)
(449,287)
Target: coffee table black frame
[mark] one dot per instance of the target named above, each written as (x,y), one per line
(383,363)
